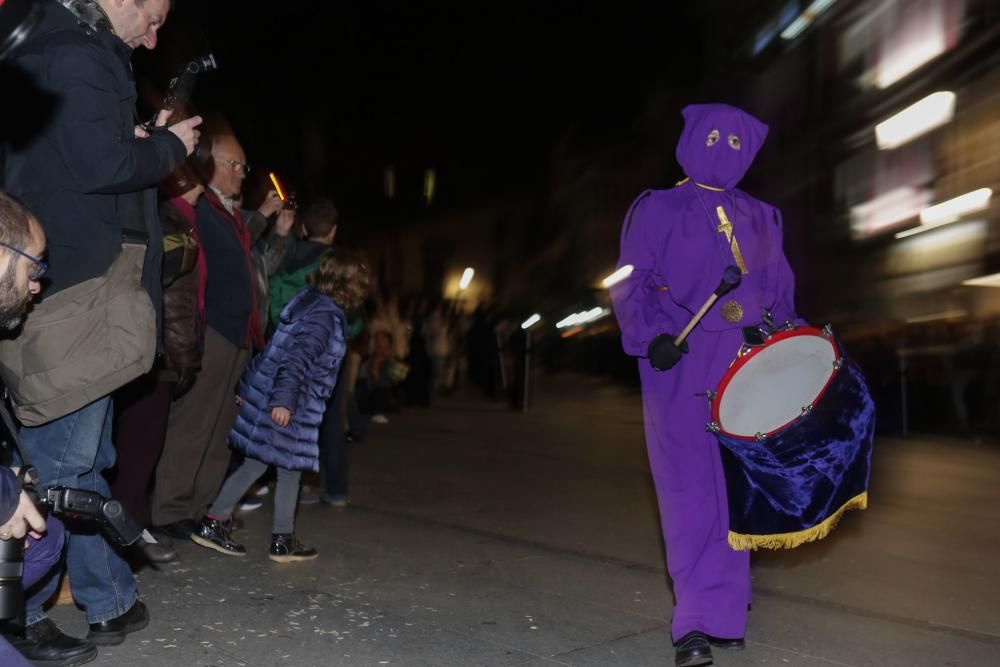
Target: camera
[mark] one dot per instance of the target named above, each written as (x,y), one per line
(80,505)
(11,570)
(65,503)
(202,64)
(17,18)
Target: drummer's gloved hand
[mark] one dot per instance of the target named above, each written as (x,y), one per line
(663,354)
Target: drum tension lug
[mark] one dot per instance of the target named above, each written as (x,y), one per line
(837,363)
(828,331)
(759,437)
(710,395)
(713,427)
(807,409)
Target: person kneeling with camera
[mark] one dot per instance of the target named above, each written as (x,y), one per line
(26,559)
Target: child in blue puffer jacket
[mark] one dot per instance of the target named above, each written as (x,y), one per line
(282,396)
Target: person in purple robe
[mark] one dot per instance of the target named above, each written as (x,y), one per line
(679,242)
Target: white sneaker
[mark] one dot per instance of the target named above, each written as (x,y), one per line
(380,419)
(262,491)
(250,504)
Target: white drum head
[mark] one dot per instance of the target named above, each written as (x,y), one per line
(772,386)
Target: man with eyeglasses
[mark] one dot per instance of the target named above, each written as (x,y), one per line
(89,173)
(22,244)
(196,453)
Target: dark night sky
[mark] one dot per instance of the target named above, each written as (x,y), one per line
(480,92)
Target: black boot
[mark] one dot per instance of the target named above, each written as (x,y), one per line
(693,650)
(728,644)
(215,534)
(43,644)
(286,549)
(113,632)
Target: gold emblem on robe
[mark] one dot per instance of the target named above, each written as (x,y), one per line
(732,311)
(726,227)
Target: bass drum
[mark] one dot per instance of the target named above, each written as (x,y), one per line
(796,421)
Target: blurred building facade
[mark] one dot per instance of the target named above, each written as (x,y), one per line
(887,152)
(884,155)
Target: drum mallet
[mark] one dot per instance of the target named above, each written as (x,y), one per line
(731,278)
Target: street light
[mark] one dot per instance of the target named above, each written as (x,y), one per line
(466,278)
(618,276)
(531,321)
(950,211)
(933,111)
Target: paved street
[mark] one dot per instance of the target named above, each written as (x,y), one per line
(481,537)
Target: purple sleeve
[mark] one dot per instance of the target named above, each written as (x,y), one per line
(784,304)
(639,300)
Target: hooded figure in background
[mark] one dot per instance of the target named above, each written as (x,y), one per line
(679,242)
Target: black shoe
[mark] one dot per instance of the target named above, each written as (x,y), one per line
(180,530)
(113,632)
(214,534)
(693,650)
(157,552)
(727,644)
(43,644)
(286,549)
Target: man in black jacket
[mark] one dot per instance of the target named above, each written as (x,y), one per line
(89,174)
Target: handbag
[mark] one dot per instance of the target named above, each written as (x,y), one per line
(82,343)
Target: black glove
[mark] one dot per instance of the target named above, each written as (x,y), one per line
(663,354)
(185,381)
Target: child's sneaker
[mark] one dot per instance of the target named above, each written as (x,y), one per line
(285,548)
(214,534)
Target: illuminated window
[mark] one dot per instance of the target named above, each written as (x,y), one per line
(898,37)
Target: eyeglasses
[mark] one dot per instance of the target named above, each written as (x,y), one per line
(40,266)
(236,165)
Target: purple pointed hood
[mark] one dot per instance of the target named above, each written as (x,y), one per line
(718,144)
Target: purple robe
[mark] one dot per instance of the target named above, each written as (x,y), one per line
(673,241)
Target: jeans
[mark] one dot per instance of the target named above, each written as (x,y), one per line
(73,451)
(286,494)
(333,440)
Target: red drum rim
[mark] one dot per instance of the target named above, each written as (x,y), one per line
(743,360)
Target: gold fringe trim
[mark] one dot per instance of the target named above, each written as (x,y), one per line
(741,542)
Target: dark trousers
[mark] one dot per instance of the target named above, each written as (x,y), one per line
(196,453)
(142,408)
(333,441)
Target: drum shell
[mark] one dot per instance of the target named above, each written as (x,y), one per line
(806,473)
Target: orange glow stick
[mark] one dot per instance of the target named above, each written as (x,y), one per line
(277,185)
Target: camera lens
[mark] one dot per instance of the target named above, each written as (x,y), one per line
(11,571)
